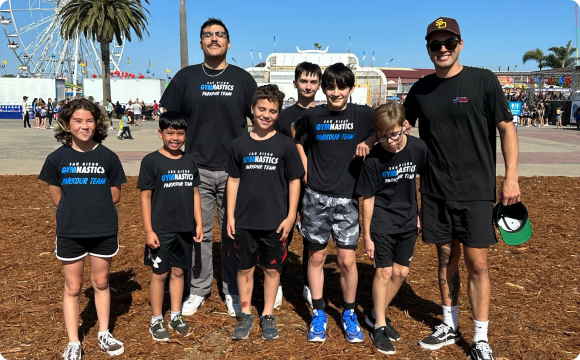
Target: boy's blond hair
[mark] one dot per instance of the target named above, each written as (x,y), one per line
(387,116)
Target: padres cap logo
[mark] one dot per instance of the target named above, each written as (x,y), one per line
(440,24)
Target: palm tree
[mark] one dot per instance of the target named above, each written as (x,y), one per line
(101,20)
(317,46)
(183,34)
(537,54)
(561,56)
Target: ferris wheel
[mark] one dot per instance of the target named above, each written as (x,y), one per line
(32,28)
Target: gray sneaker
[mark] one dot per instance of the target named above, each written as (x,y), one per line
(243,327)
(111,345)
(159,332)
(269,329)
(73,352)
(179,325)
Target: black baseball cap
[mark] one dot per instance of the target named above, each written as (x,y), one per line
(443,24)
(513,223)
(24,97)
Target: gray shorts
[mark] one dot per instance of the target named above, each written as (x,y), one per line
(323,215)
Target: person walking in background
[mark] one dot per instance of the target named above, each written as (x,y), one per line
(25,114)
(126,134)
(155,110)
(559,113)
(36,119)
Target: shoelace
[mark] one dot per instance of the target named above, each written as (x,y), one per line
(71,352)
(380,334)
(351,322)
(245,322)
(268,322)
(109,340)
(485,349)
(440,330)
(317,324)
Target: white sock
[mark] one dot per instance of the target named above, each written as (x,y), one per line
(155,318)
(74,343)
(101,333)
(174,314)
(450,316)
(480,328)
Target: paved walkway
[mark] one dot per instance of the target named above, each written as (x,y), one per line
(543,151)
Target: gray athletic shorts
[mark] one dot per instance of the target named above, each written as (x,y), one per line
(323,215)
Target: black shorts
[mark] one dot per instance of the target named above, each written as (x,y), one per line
(273,252)
(71,249)
(470,222)
(174,250)
(398,248)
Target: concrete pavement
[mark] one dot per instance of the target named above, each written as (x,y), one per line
(543,151)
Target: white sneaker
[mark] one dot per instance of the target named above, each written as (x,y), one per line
(307,295)
(192,304)
(233,305)
(278,301)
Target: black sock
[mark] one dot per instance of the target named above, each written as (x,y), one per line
(318,304)
(349,306)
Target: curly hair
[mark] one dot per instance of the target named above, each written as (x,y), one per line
(269,92)
(62,129)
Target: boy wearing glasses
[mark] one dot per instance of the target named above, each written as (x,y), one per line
(336,133)
(459,109)
(390,217)
(215,96)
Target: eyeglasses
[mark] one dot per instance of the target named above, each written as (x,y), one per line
(450,44)
(394,137)
(208,34)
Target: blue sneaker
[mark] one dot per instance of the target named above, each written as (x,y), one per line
(349,324)
(317,331)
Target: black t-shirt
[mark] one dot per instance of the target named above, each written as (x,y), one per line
(86,208)
(288,117)
(172,182)
(216,107)
(264,168)
(457,121)
(333,137)
(390,178)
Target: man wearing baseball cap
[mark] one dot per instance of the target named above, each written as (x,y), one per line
(459,109)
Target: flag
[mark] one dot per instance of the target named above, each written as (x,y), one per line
(508,68)
(538,80)
(128,61)
(561,80)
(274,41)
(260,55)
(364,55)
(252,54)
(149,63)
(399,86)
(373,56)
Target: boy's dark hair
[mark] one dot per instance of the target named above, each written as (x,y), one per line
(337,74)
(269,92)
(62,129)
(307,68)
(172,119)
(213,21)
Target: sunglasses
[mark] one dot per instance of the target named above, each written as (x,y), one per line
(450,44)
(208,34)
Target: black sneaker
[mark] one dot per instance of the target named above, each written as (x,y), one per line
(73,352)
(159,332)
(381,341)
(243,327)
(481,351)
(180,326)
(389,329)
(269,329)
(442,336)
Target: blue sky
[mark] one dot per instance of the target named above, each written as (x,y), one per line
(496,32)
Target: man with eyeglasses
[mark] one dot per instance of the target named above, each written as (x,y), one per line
(216,97)
(459,109)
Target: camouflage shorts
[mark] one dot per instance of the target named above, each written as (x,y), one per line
(324,215)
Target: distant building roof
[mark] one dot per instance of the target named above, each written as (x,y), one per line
(407,75)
